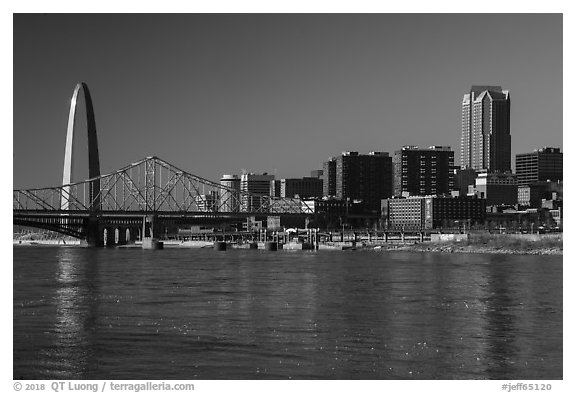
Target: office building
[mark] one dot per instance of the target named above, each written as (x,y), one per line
(207,202)
(275,188)
(497,188)
(463,179)
(485,143)
(230,195)
(255,192)
(423,171)
(365,177)
(431,212)
(306,187)
(533,194)
(329,178)
(541,165)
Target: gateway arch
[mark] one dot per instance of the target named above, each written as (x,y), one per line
(93,157)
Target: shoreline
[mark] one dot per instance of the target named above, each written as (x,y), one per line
(475,249)
(528,249)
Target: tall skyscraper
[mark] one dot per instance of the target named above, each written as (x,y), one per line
(485,141)
(423,171)
(541,165)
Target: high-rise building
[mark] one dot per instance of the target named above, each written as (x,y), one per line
(364,177)
(423,171)
(230,197)
(329,178)
(306,187)
(275,188)
(258,187)
(539,166)
(485,143)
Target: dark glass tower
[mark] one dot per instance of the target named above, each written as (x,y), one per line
(366,177)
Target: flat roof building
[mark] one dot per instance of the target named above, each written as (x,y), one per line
(533,194)
(255,191)
(366,177)
(497,188)
(540,165)
(432,212)
(463,178)
(306,187)
(423,171)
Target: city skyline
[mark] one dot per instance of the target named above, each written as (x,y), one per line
(274,93)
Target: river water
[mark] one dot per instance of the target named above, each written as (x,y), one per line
(251,314)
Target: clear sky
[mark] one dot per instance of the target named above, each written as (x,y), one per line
(277,93)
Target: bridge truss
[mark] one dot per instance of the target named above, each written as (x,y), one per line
(150,186)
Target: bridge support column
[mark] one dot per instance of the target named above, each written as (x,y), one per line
(110,237)
(150,232)
(121,239)
(132,234)
(94,235)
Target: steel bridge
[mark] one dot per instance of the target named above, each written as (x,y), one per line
(150,188)
(142,198)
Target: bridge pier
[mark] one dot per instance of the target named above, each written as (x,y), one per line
(109,235)
(121,236)
(150,232)
(94,236)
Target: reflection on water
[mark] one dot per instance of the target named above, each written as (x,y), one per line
(75,313)
(186,314)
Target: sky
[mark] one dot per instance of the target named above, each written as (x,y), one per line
(277,93)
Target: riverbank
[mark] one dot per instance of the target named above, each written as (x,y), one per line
(481,244)
(488,244)
(482,249)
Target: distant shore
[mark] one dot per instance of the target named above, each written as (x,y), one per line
(490,244)
(480,244)
(473,248)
